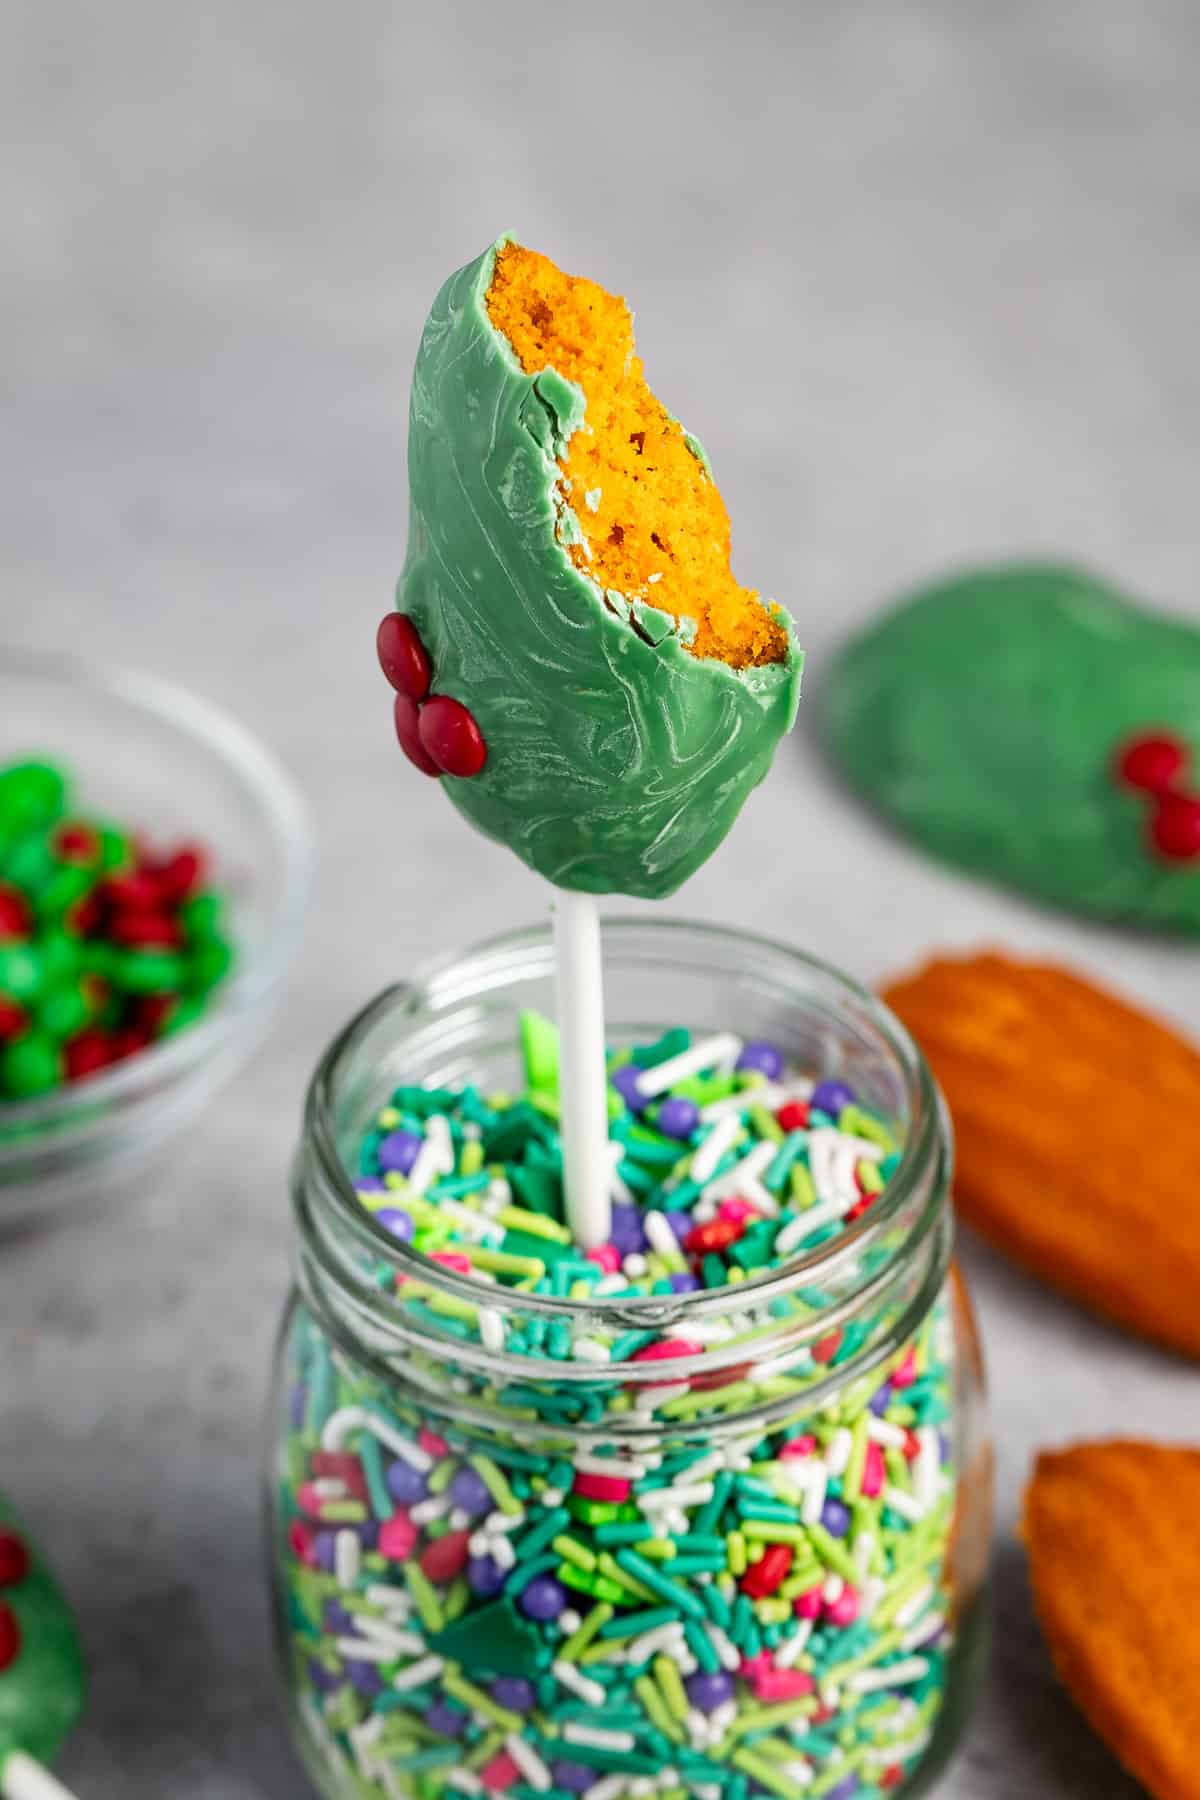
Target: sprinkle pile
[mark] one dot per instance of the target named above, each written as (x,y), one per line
(104,945)
(540,1606)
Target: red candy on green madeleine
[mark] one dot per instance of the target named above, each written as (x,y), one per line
(571,649)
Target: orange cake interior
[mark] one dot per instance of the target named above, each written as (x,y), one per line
(653,525)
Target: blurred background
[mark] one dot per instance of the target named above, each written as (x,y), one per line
(924,278)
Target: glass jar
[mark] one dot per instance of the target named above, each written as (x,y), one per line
(739,1549)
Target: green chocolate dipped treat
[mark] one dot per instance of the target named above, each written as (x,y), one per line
(1036,726)
(571,650)
(41,1664)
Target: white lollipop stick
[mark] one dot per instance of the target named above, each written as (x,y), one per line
(21,1778)
(582,1078)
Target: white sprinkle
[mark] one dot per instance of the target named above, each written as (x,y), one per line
(662,1238)
(574,1733)
(716,1052)
(502,1553)
(465,1780)
(383,1631)
(472,1224)
(913,1607)
(799,1771)
(728,1652)
(882,1431)
(551,1497)
(612,1787)
(734,1180)
(815,1219)
(927,1466)
(832,1589)
(394,1600)
(418,1673)
(617,1182)
(837,1457)
(367,1650)
(347,1558)
(426,1511)
(399,1446)
(436,1155)
(330,1487)
(625,1468)
(650,1398)
(720,1139)
(591,1349)
(592,1691)
(695,1494)
(769,1094)
(864,1550)
(814,1500)
(922,1631)
(569,1622)
(528,1761)
(634,1265)
(663,1637)
(491,1328)
(904,1504)
(869,1681)
(790,1652)
(870,1594)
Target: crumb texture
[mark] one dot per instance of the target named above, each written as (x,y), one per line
(1111,1533)
(647,520)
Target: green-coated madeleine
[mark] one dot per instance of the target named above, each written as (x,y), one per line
(616,761)
(983,717)
(42,1686)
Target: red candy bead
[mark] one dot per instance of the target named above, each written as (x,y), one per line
(13,1019)
(145,930)
(405,714)
(446,1557)
(793,1115)
(450,737)
(16,920)
(137,891)
(10,1637)
(85,1053)
(826,1348)
(1175,828)
(14,1559)
(403,657)
(181,874)
(1151,762)
(716,1234)
(769,1572)
(73,843)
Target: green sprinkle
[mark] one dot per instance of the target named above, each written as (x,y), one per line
(649,1576)
(425,1598)
(456,1684)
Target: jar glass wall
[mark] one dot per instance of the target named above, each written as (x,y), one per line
(724,1542)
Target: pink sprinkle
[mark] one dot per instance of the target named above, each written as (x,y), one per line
(397,1537)
(500,1773)
(906,1374)
(452,1259)
(798,1446)
(301,1538)
(308,1499)
(808,1605)
(601,1487)
(737,1209)
(752,1667)
(606,1256)
(432,1444)
(844,1610)
(784,1684)
(667,1347)
(873,1472)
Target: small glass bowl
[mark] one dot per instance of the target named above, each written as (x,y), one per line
(154,759)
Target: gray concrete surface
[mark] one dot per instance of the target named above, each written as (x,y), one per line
(924,277)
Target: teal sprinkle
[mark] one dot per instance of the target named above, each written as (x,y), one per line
(457,1187)
(371,1457)
(534,1542)
(671,1043)
(701,1647)
(629,1342)
(789,1150)
(651,1575)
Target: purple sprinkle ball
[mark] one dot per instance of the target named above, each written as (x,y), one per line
(448,1721)
(323,1679)
(544,1598)
(485,1576)
(683,1284)
(572,1777)
(470,1491)
(880,1400)
(831,1096)
(365,1679)
(370,1184)
(707,1692)
(626,1232)
(396,1222)
(398,1152)
(626,1081)
(835,1517)
(406,1484)
(677,1118)
(844,1789)
(761,1058)
(514,1692)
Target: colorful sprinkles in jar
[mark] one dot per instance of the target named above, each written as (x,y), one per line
(684,1573)
(105,944)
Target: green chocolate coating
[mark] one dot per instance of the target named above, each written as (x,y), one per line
(616,761)
(41,1692)
(982,717)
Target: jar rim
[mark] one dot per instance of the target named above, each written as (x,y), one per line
(530,949)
